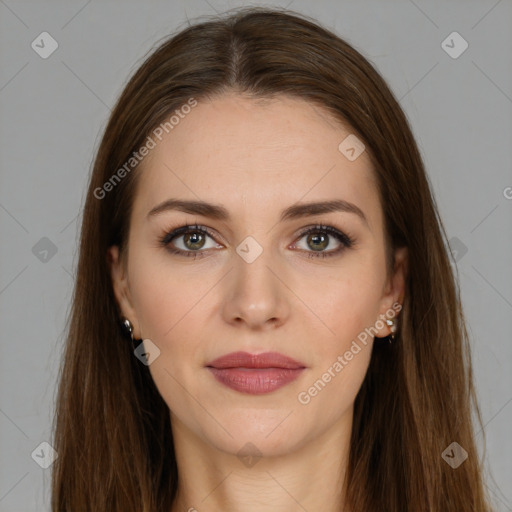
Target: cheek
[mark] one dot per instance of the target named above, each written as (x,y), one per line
(342,357)
(162,295)
(169,309)
(347,304)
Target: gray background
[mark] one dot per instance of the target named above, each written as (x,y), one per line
(52,114)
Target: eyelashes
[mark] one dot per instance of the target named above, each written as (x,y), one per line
(345,241)
(319,232)
(180,232)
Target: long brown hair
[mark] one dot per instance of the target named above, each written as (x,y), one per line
(112,428)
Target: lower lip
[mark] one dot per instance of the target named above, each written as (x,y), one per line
(255,381)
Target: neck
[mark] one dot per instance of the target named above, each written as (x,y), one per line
(309,477)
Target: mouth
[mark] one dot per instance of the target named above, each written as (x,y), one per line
(255,374)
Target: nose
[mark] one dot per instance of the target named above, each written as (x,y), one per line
(256,295)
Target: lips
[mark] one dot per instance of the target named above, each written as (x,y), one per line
(246,360)
(255,374)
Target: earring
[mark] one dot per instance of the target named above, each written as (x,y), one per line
(128,327)
(392,326)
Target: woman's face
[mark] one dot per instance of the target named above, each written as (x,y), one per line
(255,283)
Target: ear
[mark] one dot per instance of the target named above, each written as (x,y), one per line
(121,287)
(395,289)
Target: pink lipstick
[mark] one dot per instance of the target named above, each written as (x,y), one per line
(255,374)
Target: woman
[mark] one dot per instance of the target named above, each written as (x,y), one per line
(265,315)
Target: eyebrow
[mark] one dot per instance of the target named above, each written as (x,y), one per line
(296,211)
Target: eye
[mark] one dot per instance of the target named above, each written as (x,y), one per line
(318,237)
(193,240)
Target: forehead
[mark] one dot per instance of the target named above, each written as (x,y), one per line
(256,156)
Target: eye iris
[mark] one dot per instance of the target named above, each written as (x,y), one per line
(323,244)
(194,239)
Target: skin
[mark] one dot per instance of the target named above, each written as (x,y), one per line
(256,158)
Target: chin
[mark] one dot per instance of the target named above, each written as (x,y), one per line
(265,432)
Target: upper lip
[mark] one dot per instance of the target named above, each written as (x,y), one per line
(264,360)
